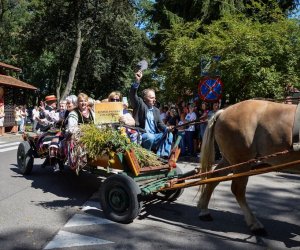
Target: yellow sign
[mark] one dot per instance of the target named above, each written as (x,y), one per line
(108,112)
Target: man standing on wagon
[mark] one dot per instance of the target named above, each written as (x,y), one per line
(155,134)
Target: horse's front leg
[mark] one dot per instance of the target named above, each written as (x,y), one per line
(207,191)
(238,188)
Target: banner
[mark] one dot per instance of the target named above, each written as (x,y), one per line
(108,112)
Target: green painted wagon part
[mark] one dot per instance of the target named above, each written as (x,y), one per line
(126,184)
(156,185)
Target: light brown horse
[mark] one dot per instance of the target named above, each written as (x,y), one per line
(245,131)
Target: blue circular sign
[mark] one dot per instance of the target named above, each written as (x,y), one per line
(210,89)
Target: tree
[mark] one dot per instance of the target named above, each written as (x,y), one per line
(164,12)
(13,15)
(258,59)
(98,36)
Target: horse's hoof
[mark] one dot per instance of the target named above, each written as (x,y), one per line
(206,217)
(260,232)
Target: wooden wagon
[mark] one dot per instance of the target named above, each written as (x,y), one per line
(126,183)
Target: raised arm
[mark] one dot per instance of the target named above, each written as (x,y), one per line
(133,97)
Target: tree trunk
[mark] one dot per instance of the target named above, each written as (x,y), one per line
(74,64)
(59,83)
(2,9)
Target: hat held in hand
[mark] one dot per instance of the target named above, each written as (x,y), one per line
(142,65)
(50,98)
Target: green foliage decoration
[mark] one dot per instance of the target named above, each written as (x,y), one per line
(100,141)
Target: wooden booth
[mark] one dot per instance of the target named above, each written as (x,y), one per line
(13,92)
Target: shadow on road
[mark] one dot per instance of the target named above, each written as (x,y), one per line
(33,239)
(62,184)
(274,198)
(228,226)
(224,222)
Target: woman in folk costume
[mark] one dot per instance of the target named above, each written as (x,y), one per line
(56,148)
(82,114)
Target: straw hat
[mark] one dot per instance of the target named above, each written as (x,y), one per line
(50,98)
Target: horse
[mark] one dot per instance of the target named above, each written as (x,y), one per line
(247,130)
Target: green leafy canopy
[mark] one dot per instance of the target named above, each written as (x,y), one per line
(258,58)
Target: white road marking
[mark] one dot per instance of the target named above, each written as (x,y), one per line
(8,149)
(66,239)
(6,146)
(92,205)
(86,220)
(9,144)
(87,208)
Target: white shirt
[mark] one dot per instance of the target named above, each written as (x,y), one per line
(150,125)
(163,116)
(51,117)
(72,122)
(35,113)
(190,117)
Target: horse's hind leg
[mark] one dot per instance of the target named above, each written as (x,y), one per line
(207,192)
(238,188)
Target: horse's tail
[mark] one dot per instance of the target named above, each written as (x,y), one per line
(208,146)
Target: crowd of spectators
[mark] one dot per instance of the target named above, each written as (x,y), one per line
(182,115)
(21,116)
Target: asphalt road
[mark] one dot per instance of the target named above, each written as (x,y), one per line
(34,207)
(47,210)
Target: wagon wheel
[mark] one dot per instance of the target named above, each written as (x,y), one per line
(171,195)
(25,157)
(119,198)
